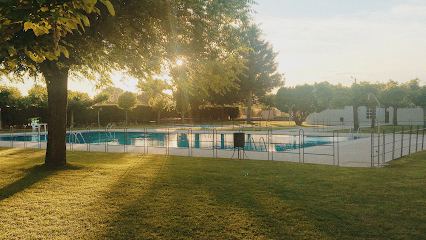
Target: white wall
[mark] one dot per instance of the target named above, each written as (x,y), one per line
(332,116)
(410,116)
(269,114)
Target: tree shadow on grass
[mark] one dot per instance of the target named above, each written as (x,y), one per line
(34,175)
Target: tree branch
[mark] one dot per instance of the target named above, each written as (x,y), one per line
(9,31)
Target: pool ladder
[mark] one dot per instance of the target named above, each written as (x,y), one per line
(110,126)
(251,141)
(76,134)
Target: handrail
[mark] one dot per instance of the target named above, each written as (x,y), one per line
(76,134)
(110,128)
(264,143)
(254,143)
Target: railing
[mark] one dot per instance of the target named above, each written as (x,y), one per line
(386,147)
(266,145)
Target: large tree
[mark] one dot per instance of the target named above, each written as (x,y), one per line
(202,48)
(58,38)
(37,36)
(259,75)
(297,101)
(127,101)
(360,96)
(394,95)
(9,97)
(78,101)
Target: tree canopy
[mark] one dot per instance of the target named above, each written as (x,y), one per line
(126,101)
(58,38)
(317,97)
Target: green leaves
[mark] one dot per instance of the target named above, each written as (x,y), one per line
(40,2)
(109,6)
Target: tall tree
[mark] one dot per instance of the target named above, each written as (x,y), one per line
(260,74)
(324,94)
(417,94)
(9,97)
(37,96)
(394,95)
(35,36)
(360,97)
(127,101)
(113,94)
(78,101)
(297,101)
(61,37)
(202,48)
(160,103)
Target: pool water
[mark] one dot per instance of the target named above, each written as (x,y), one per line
(256,142)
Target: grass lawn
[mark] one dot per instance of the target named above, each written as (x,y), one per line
(130,196)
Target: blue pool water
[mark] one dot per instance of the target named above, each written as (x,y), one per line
(257,142)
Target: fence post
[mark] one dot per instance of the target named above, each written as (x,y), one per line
(378,148)
(267,142)
(337,143)
(213,138)
(417,137)
(25,138)
(372,148)
(301,145)
(272,137)
(70,136)
(393,145)
(402,141)
(384,147)
(409,141)
(106,140)
(39,140)
(167,142)
(125,138)
(334,158)
(423,137)
(88,138)
(11,135)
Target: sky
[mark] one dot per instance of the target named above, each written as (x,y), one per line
(336,41)
(340,41)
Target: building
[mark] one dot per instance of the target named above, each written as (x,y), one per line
(345,116)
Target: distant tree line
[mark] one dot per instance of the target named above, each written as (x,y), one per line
(17,110)
(304,99)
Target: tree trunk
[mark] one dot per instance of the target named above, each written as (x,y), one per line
(249,103)
(126,118)
(356,119)
(395,116)
(56,81)
(182,114)
(72,119)
(158,116)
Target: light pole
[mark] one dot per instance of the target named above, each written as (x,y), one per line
(378,131)
(289,111)
(100,109)
(314,107)
(378,122)
(315,115)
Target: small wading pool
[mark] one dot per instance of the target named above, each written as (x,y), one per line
(255,142)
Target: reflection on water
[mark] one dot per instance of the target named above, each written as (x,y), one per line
(257,142)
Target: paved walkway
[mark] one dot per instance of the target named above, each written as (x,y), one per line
(351,153)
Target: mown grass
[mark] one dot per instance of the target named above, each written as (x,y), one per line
(133,196)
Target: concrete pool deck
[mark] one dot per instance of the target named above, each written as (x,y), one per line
(352,153)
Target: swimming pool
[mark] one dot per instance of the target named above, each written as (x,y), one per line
(253,141)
